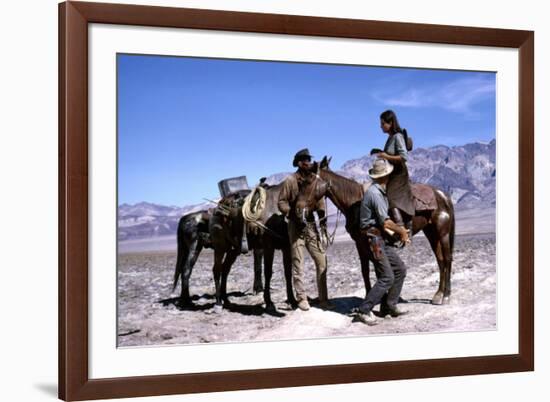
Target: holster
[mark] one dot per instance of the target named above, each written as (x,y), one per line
(375,241)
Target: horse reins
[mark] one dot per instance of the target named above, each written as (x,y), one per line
(332,236)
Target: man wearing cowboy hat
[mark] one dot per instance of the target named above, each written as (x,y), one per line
(303,232)
(390,269)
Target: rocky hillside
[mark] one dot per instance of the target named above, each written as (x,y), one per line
(148,220)
(466,172)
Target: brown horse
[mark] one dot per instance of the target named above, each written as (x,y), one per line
(438,225)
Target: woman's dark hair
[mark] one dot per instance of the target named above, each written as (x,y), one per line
(390,117)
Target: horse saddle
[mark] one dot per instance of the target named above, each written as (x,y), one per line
(424,197)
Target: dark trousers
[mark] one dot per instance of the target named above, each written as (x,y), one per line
(390,275)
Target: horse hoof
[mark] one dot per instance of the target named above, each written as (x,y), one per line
(183,303)
(437,299)
(292,303)
(218,308)
(270,308)
(446,299)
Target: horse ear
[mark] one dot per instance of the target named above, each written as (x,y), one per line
(315,167)
(324,162)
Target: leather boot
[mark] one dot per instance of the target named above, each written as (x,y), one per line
(397,217)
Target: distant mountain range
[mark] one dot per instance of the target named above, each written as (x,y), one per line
(148,220)
(465,172)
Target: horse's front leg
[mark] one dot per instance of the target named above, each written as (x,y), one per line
(362,249)
(269,253)
(258,256)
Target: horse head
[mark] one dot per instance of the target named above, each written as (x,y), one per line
(313,188)
(342,191)
(324,166)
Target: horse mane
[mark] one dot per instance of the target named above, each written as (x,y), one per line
(347,189)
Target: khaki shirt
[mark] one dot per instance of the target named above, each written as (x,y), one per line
(289,195)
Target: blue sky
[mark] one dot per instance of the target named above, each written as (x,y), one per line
(186,123)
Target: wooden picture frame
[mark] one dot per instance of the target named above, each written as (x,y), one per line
(74,381)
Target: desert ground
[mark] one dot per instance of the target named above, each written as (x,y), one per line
(147,313)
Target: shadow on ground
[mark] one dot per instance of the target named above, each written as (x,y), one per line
(341,305)
(244,309)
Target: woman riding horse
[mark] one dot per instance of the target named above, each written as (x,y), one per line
(395,151)
(437,223)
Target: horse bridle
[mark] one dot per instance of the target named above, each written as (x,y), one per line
(328,191)
(330,195)
(314,186)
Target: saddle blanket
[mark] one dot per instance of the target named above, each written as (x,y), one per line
(423,194)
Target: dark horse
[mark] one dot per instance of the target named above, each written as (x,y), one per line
(438,224)
(193,235)
(270,234)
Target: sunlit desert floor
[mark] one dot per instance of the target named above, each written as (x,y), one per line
(147,314)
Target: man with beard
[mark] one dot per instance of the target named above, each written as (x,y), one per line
(303,232)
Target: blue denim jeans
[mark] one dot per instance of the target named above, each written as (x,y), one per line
(390,275)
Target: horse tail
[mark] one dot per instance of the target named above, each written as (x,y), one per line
(180,253)
(452,232)
(449,204)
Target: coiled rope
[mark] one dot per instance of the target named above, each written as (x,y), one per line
(253,206)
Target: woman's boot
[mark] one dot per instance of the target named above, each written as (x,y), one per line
(397,217)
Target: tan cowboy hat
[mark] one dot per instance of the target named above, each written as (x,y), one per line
(380,168)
